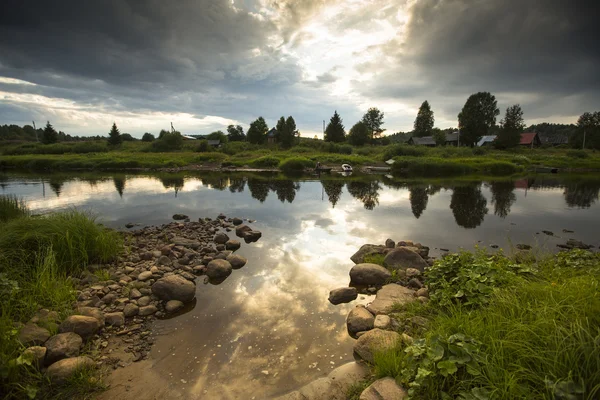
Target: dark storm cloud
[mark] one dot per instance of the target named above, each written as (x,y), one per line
(457,47)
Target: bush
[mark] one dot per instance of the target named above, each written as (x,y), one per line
(403,150)
(168,141)
(265,162)
(295,164)
(430,167)
(202,146)
(148,137)
(480,151)
(331,147)
(577,153)
(90,147)
(232,148)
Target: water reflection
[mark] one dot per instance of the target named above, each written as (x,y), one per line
(119,181)
(366,192)
(503,197)
(468,205)
(418,200)
(175,182)
(333,189)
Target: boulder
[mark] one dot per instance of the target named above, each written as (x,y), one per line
(390,244)
(218,269)
(423,292)
(402,258)
(412,272)
(221,238)
(389,295)
(63,345)
(115,318)
(36,354)
(191,244)
(174,287)
(163,260)
(384,389)
(252,236)
(367,250)
(233,244)
(33,335)
(62,370)
(374,341)
(130,310)
(135,294)
(91,312)
(179,217)
(236,261)
(369,274)
(359,319)
(382,322)
(144,301)
(173,305)
(241,230)
(237,221)
(343,295)
(84,326)
(144,276)
(147,310)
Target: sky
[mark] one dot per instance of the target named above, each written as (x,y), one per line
(205,64)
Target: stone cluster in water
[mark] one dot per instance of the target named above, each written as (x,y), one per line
(156,277)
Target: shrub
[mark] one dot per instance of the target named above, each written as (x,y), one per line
(295,164)
(232,148)
(168,141)
(403,150)
(480,151)
(577,153)
(265,162)
(89,147)
(202,146)
(148,137)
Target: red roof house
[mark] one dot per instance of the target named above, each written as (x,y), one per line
(530,139)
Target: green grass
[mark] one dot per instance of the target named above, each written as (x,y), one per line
(375,259)
(295,164)
(12,207)
(537,337)
(38,256)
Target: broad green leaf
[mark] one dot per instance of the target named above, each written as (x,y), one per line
(436,352)
(447,367)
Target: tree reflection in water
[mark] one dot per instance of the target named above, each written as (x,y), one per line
(418,199)
(333,189)
(468,205)
(366,192)
(503,197)
(175,182)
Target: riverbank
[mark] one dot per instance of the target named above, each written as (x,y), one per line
(475,325)
(408,160)
(78,300)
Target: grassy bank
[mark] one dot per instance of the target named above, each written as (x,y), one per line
(500,330)
(38,256)
(410,160)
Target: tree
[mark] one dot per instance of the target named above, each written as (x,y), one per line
(335,129)
(114,136)
(373,119)
(217,135)
(126,137)
(148,137)
(439,136)
(50,135)
(280,128)
(289,133)
(168,141)
(477,117)
(257,131)
(235,133)
(424,121)
(511,128)
(588,126)
(359,134)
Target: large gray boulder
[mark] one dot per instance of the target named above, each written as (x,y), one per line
(63,345)
(389,295)
(218,269)
(236,261)
(359,320)
(369,274)
(368,250)
(242,229)
(174,287)
(33,335)
(62,370)
(343,295)
(375,341)
(232,244)
(84,326)
(221,238)
(402,258)
(384,389)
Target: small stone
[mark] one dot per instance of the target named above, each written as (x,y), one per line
(369,274)
(384,389)
(82,325)
(36,354)
(382,322)
(144,301)
(109,298)
(174,287)
(359,319)
(232,244)
(423,292)
(412,272)
(115,319)
(374,341)
(218,269)
(343,295)
(236,261)
(173,305)
(522,246)
(163,260)
(237,221)
(130,310)
(179,217)
(135,294)
(144,276)
(414,283)
(147,310)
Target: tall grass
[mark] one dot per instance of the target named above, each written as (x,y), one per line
(12,207)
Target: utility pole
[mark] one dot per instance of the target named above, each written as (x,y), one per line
(583,147)
(35,130)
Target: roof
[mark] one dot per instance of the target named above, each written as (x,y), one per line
(486,139)
(527,138)
(189,137)
(424,141)
(272,132)
(452,137)
(553,139)
(214,142)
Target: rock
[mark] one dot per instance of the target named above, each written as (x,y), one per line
(384,389)
(568,231)
(115,319)
(390,244)
(218,269)
(91,312)
(63,345)
(402,258)
(147,310)
(241,230)
(549,233)
(236,261)
(179,217)
(367,250)
(369,274)
(188,243)
(578,244)
(109,298)
(237,221)
(174,287)
(412,272)
(33,335)
(165,251)
(164,260)
(173,305)
(359,319)
(343,295)
(221,238)
(233,244)
(374,341)
(144,301)
(221,216)
(146,255)
(522,246)
(130,310)
(35,354)
(135,294)
(423,292)
(252,236)
(389,295)
(82,325)
(144,276)
(414,283)
(62,370)
(382,322)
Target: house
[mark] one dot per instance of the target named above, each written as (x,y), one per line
(272,136)
(486,140)
(553,140)
(422,141)
(214,143)
(452,139)
(530,139)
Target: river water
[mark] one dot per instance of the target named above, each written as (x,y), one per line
(269,328)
